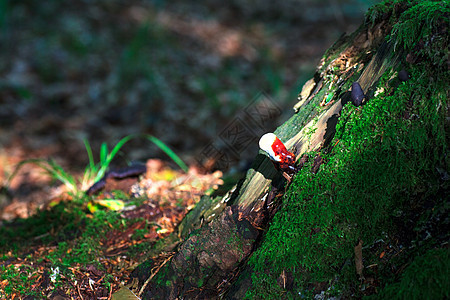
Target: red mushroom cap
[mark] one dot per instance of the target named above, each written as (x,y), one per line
(277,152)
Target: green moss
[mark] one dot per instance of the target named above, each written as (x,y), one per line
(424,26)
(18,277)
(66,226)
(294,124)
(417,25)
(200,282)
(386,157)
(427,277)
(385,8)
(381,162)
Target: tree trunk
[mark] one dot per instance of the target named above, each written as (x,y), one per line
(203,258)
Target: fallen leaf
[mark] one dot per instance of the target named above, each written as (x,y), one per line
(112,204)
(123,294)
(359,259)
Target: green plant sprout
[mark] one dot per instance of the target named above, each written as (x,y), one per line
(93,171)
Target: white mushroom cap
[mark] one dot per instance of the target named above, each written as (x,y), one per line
(266,142)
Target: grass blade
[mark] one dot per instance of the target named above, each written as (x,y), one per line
(106,158)
(168,151)
(103,153)
(89,152)
(53,169)
(58,172)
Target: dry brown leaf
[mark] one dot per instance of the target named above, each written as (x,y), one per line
(359,259)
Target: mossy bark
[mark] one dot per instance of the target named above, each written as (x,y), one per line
(209,251)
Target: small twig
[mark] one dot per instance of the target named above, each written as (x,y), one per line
(335,144)
(79,293)
(41,236)
(100,280)
(153,275)
(78,271)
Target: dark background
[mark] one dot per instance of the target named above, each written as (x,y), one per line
(181,71)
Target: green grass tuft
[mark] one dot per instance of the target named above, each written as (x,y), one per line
(93,171)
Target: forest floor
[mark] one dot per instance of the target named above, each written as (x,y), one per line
(100,71)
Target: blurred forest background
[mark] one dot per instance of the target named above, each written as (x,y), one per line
(179,70)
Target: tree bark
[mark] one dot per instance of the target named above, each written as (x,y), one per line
(209,250)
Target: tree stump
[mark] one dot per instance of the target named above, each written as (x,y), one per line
(203,258)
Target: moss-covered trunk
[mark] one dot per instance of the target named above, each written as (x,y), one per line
(208,256)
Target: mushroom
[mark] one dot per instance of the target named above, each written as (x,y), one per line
(357,94)
(281,158)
